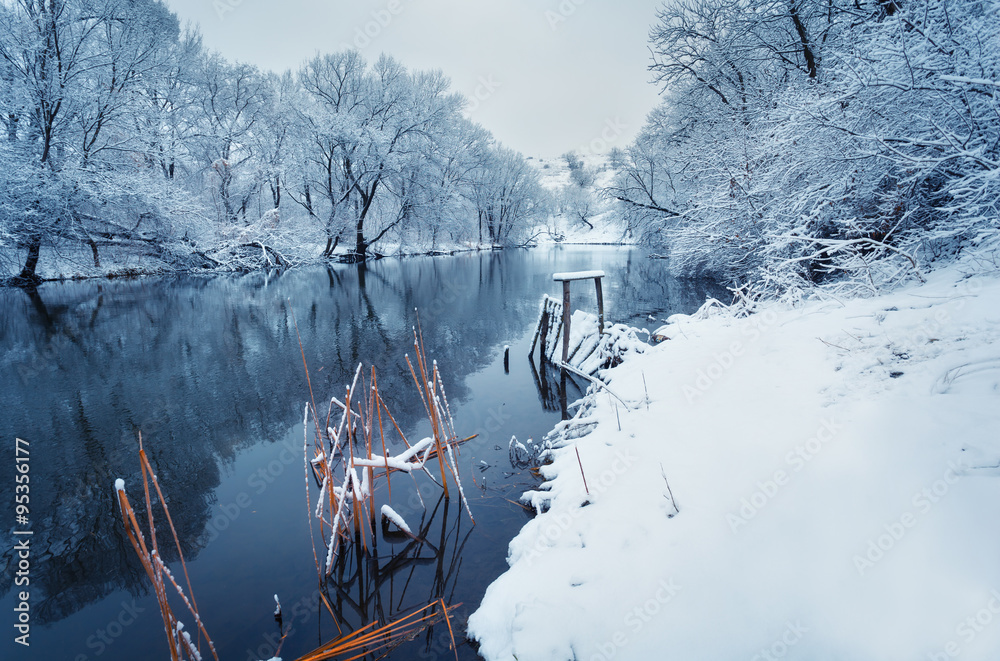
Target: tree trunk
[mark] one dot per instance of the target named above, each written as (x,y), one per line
(331,245)
(800,28)
(27,276)
(360,245)
(491,229)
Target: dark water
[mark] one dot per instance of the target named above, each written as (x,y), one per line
(209,370)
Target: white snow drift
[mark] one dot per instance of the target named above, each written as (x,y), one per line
(812,482)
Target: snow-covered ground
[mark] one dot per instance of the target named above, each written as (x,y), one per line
(836,472)
(563,225)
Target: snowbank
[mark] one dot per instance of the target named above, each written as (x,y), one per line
(836,475)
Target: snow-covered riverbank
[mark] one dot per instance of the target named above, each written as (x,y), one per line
(836,472)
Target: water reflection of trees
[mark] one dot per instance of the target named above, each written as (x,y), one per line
(556,388)
(390,576)
(406,574)
(204,367)
(642,287)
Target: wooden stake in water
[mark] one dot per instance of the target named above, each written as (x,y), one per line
(600,306)
(565,351)
(567,278)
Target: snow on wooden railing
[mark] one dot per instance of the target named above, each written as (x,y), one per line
(587,350)
(569,276)
(588,344)
(557,315)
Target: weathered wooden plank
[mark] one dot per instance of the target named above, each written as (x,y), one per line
(569,276)
(600,306)
(538,327)
(566,321)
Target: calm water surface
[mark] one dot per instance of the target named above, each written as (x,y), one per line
(209,370)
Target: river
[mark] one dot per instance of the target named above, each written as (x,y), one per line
(208,369)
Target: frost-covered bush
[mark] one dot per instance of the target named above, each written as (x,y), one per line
(796,146)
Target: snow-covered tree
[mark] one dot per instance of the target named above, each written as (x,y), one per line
(799,140)
(506,192)
(73,73)
(119,132)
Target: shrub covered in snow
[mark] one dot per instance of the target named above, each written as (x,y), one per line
(800,143)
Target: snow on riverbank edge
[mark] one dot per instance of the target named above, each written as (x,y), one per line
(837,472)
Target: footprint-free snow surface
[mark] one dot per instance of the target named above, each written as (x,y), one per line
(835,468)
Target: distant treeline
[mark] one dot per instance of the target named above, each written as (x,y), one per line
(124,136)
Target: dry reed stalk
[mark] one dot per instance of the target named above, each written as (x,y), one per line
(449,436)
(350,445)
(381,432)
(306,466)
(334,506)
(361,410)
(319,439)
(323,472)
(355,426)
(431,391)
(444,414)
(179,640)
(312,538)
(584,475)
(362,642)
(426,398)
(433,451)
(369,430)
(305,365)
(371,640)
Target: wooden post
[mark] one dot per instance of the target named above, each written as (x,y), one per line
(563,397)
(565,279)
(600,306)
(543,334)
(565,351)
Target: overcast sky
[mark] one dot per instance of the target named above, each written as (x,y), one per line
(550,75)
